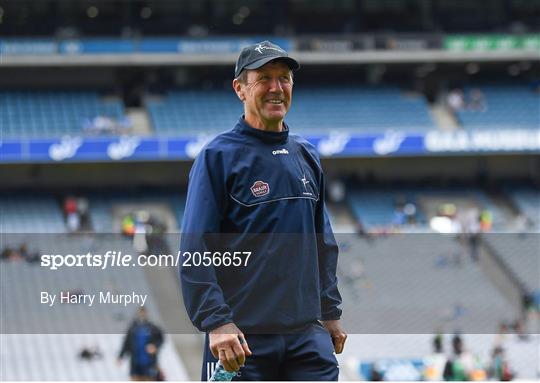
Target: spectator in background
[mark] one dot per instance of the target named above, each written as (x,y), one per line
(99,125)
(410,213)
(500,368)
(455,100)
(399,216)
(107,125)
(71,214)
(434,364)
(477,101)
(139,236)
(128,225)
(460,366)
(23,252)
(142,343)
(82,210)
(471,228)
(10,254)
(486,220)
(337,191)
(90,353)
(155,235)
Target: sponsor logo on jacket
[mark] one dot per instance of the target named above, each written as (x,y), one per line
(260,189)
(280,151)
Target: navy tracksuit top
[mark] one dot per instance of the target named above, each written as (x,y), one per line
(266,190)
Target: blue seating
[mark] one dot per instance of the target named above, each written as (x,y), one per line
(31,215)
(359,109)
(506,107)
(377,208)
(528,202)
(101,207)
(38,114)
(192,112)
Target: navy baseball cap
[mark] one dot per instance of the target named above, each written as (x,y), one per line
(257,55)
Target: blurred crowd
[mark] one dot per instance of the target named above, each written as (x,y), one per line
(104,125)
(463,365)
(76,214)
(21,253)
(457,100)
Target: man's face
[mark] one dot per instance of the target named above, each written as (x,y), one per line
(267,93)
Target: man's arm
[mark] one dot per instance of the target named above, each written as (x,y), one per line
(156,341)
(205,203)
(203,297)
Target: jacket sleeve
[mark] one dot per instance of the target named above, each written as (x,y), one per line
(328,257)
(203,213)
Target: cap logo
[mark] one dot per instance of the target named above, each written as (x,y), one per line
(261,48)
(260,189)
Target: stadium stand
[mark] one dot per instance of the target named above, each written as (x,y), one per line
(31,331)
(40,114)
(506,107)
(519,253)
(419,283)
(378,208)
(368,68)
(102,206)
(193,111)
(56,113)
(528,202)
(25,214)
(315,110)
(363,109)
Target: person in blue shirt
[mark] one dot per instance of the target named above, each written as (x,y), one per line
(260,273)
(142,343)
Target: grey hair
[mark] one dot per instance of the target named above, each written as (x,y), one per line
(242,77)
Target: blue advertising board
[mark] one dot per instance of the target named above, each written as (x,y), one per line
(332,144)
(393,370)
(28,46)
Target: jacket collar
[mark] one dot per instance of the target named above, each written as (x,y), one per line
(277,137)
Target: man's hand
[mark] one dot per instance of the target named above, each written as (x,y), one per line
(228,344)
(151,348)
(337,333)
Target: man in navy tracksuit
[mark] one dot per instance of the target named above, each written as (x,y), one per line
(265,289)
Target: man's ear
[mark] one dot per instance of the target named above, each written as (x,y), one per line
(237,86)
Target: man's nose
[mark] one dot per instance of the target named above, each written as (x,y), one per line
(275,85)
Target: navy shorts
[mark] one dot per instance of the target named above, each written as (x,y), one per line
(148,371)
(306,355)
